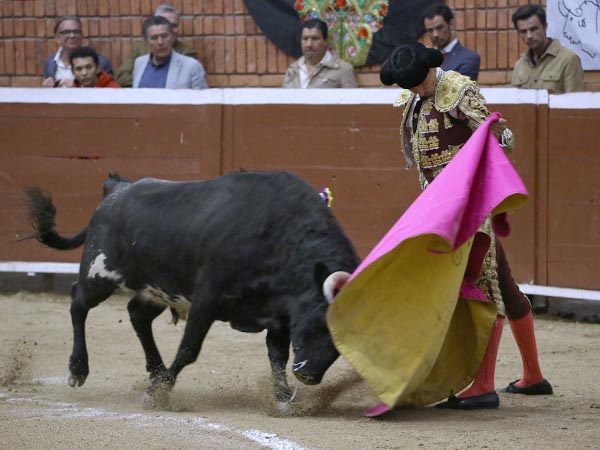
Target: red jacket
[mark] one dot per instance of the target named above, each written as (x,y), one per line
(104,80)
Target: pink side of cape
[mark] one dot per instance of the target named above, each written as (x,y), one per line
(457,202)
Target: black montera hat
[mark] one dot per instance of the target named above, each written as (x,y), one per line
(409,64)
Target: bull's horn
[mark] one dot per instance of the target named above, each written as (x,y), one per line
(333,283)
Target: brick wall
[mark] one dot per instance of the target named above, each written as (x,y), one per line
(233,50)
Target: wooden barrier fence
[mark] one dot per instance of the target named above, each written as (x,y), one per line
(67,141)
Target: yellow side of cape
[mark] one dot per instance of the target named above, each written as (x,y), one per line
(401,325)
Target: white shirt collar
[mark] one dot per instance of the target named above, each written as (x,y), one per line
(62,72)
(58,55)
(448,48)
(304,77)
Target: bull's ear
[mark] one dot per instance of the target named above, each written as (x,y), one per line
(321,272)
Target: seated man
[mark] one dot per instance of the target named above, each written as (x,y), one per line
(318,67)
(440,27)
(87,71)
(163,67)
(125,72)
(546,64)
(57,70)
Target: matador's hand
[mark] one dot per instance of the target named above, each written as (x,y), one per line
(498,127)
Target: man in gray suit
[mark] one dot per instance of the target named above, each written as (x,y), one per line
(441,29)
(163,67)
(124,75)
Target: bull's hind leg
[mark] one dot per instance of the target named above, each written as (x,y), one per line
(200,318)
(141,314)
(85,295)
(278,345)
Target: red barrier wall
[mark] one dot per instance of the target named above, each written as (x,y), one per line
(349,142)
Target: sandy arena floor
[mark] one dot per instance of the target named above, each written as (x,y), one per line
(223,401)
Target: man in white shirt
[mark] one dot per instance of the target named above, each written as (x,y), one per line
(318,67)
(57,68)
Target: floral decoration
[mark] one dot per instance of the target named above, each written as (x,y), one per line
(351,24)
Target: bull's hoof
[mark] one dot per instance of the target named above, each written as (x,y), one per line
(284,395)
(157,397)
(155,372)
(283,409)
(78,371)
(76,380)
(284,405)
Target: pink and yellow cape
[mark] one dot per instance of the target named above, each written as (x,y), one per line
(403,320)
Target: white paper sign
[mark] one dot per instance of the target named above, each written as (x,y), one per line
(576,24)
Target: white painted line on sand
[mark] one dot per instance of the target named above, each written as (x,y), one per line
(50,380)
(71,410)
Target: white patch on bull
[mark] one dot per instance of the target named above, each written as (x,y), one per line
(98,269)
(299,365)
(178,302)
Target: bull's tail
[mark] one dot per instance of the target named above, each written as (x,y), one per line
(41,214)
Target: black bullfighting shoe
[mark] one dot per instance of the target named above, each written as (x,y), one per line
(483,401)
(541,388)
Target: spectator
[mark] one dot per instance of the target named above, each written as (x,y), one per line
(441,29)
(318,67)
(125,72)
(546,64)
(163,67)
(86,69)
(57,69)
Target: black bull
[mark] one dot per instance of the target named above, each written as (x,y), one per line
(253,249)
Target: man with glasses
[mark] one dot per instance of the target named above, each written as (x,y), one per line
(125,72)
(57,68)
(163,67)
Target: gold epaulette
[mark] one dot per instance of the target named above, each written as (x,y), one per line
(451,89)
(404,98)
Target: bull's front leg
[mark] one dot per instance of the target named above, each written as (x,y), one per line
(200,318)
(278,345)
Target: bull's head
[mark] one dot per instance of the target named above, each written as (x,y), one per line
(314,351)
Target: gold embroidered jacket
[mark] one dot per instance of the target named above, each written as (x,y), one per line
(457,102)
(432,136)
